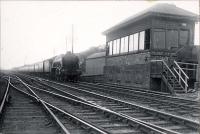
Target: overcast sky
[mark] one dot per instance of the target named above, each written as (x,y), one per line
(32,31)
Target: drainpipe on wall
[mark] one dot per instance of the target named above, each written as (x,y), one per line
(197,84)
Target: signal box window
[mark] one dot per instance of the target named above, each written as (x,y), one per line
(126,44)
(159,39)
(122,45)
(183,37)
(172,39)
(135,46)
(141,44)
(114,47)
(117,46)
(110,47)
(131,43)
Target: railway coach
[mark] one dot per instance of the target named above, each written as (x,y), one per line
(94,67)
(153,49)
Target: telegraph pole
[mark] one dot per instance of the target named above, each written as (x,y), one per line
(72,38)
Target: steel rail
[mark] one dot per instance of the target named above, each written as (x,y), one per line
(148,97)
(163,101)
(156,94)
(63,112)
(90,103)
(145,127)
(186,121)
(5,97)
(193,123)
(85,102)
(46,108)
(129,119)
(180,119)
(140,92)
(170,97)
(78,119)
(166,95)
(139,89)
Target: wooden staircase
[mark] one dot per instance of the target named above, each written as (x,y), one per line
(172,82)
(175,79)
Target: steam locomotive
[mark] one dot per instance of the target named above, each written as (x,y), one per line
(66,67)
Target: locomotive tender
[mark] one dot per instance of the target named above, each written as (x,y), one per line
(153,49)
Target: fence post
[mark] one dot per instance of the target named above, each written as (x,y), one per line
(173,83)
(185,85)
(179,76)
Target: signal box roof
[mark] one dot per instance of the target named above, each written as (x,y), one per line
(162,10)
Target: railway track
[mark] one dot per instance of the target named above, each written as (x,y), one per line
(133,90)
(22,115)
(102,118)
(181,107)
(166,122)
(25,115)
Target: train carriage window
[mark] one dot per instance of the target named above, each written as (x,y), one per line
(141,40)
(171,39)
(135,46)
(122,45)
(126,44)
(183,37)
(131,43)
(117,46)
(110,48)
(159,39)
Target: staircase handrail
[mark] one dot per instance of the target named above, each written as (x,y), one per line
(193,64)
(181,69)
(180,76)
(164,63)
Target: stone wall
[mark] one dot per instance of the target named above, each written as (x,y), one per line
(130,69)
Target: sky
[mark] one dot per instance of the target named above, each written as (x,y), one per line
(32,31)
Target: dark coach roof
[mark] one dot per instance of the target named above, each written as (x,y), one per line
(165,10)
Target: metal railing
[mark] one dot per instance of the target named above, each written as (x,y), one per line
(191,69)
(168,72)
(182,76)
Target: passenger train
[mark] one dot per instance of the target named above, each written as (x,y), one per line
(153,49)
(63,67)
